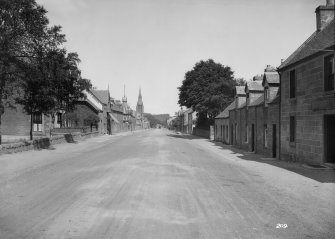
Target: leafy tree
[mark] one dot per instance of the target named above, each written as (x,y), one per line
(32,62)
(208,88)
(240,81)
(20,21)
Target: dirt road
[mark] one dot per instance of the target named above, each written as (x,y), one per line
(157,184)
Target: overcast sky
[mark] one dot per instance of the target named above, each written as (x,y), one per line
(152,43)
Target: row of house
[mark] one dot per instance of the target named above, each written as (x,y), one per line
(97,111)
(289,112)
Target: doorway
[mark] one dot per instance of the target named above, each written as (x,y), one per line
(329,143)
(252,138)
(274,141)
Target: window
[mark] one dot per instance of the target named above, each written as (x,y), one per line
(221,131)
(292,84)
(292,128)
(37,118)
(248,99)
(265,135)
(329,66)
(59,118)
(37,121)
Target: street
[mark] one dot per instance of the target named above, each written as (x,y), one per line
(157,184)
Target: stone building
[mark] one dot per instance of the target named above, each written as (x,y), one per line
(105,118)
(307,117)
(15,124)
(187,118)
(251,121)
(129,121)
(221,127)
(88,113)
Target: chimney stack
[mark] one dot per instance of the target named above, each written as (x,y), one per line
(324,14)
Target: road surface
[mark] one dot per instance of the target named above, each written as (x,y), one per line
(157,184)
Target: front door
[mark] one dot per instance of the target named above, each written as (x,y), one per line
(274,141)
(330,138)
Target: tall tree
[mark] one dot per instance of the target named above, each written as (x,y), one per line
(208,88)
(20,22)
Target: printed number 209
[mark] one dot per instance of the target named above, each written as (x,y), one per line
(281,225)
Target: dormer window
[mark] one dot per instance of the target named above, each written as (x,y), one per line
(248,99)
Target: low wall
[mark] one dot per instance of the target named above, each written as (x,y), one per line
(86,129)
(44,143)
(201,133)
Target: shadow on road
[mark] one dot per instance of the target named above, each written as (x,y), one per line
(320,175)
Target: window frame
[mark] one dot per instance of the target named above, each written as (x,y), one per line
(37,119)
(292,90)
(59,118)
(329,65)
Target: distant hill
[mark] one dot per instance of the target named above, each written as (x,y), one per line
(157,119)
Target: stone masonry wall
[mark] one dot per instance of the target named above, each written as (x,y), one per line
(15,122)
(309,143)
(43,143)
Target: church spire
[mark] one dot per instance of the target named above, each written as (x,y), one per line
(140,107)
(124,98)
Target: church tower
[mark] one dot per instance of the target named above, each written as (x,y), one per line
(140,106)
(139,112)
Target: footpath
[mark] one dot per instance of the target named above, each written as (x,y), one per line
(48,142)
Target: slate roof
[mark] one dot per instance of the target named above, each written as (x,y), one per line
(258,101)
(243,105)
(254,86)
(240,90)
(114,118)
(271,78)
(318,40)
(92,105)
(117,107)
(225,113)
(276,100)
(102,95)
(270,68)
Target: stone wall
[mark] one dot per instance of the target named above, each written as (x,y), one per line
(44,143)
(15,122)
(201,133)
(309,114)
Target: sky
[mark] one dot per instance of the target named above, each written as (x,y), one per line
(151,44)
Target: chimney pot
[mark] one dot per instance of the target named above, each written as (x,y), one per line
(330,3)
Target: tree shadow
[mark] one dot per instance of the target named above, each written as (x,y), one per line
(184,136)
(320,175)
